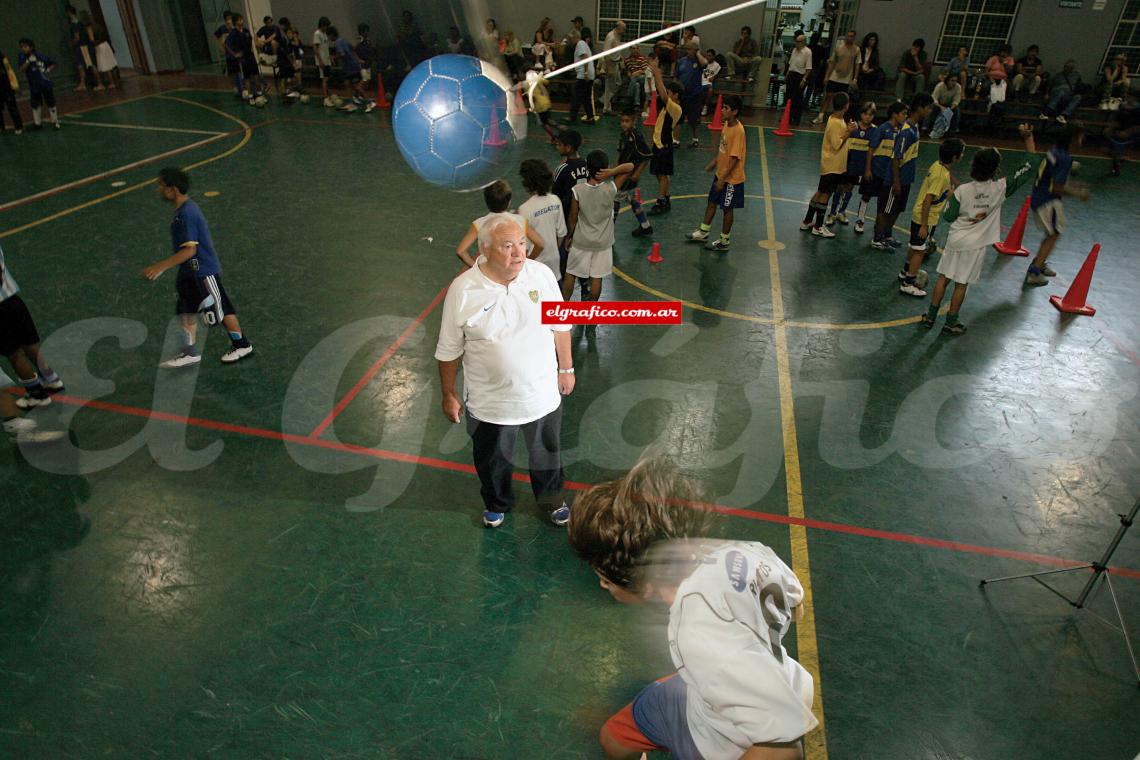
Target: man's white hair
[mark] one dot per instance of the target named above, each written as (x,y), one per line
(494,222)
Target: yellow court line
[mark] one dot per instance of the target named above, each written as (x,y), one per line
(806,645)
(142,127)
(247,133)
(768,198)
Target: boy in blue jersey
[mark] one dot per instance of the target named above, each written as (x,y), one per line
(351,68)
(41,89)
(220,35)
(883,165)
(199,281)
(20,343)
(1045,202)
(904,168)
(859,167)
(241,62)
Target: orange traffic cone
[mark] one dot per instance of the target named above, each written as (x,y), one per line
(520,104)
(381,96)
(652,120)
(784,130)
(496,140)
(718,117)
(655,256)
(1011,246)
(1074,300)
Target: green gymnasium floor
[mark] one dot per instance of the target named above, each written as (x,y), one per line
(283,558)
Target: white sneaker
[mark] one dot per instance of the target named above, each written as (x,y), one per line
(182,359)
(370,107)
(348,108)
(30,402)
(830,221)
(912,289)
(1062,120)
(841,217)
(236,354)
(805,226)
(697,236)
(24,430)
(328,103)
(822,232)
(818,119)
(695,142)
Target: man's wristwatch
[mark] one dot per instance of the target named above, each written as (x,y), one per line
(566,371)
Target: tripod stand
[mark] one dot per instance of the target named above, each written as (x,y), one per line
(1100,569)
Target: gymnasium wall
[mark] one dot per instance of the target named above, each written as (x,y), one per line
(45,24)
(1082,34)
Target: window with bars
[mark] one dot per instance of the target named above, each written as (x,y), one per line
(1126,40)
(641,16)
(845,17)
(981,25)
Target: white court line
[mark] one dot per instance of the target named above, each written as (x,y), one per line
(109,172)
(146,127)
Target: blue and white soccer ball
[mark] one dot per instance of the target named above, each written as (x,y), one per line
(458,122)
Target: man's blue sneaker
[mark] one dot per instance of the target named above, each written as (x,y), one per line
(494,519)
(560,516)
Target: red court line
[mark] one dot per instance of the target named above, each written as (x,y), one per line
(378,364)
(443,464)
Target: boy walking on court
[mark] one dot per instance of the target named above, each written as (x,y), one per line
(932,197)
(832,166)
(632,149)
(20,343)
(974,214)
(737,693)
(590,235)
(199,282)
(1048,211)
(36,67)
(727,191)
(668,120)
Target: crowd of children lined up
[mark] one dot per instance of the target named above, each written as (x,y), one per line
(882,161)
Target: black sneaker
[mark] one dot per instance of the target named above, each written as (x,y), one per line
(927,322)
(640,231)
(955,329)
(658,209)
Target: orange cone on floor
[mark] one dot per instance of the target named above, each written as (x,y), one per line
(652,120)
(655,256)
(520,104)
(1074,300)
(1011,246)
(785,128)
(718,117)
(496,140)
(381,96)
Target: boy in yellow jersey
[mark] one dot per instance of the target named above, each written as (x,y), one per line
(727,192)
(661,165)
(935,191)
(832,165)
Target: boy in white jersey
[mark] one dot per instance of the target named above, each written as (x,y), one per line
(497,196)
(974,213)
(542,212)
(324,59)
(737,693)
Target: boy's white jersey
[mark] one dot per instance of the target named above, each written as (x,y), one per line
(976,198)
(726,626)
(544,214)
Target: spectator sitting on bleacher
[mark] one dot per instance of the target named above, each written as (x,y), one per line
(708,76)
(912,68)
(1030,72)
(999,66)
(512,51)
(959,66)
(744,53)
(1115,79)
(871,74)
(947,97)
(1063,97)
(636,68)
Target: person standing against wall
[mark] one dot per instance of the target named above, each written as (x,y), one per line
(796,77)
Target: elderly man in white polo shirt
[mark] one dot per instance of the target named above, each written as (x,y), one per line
(515,369)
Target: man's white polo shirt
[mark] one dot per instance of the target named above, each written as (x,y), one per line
(510,370)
